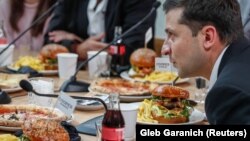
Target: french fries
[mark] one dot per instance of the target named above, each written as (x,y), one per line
(30,61)
(8,137)
(144,112)
(161,76)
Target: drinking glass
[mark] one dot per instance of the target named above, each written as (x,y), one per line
(41,85)
(98,126)
(201,92)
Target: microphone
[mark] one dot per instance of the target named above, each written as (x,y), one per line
(72,85)
(25,85)
(4,97)
(32,24)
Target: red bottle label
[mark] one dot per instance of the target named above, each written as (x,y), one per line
(3,41)
(113,49)
(122,50)
(112,134)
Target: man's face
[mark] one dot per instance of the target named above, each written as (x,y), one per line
(185,50)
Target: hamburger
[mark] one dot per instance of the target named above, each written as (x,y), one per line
(170,104)
(48,55)
(142,62)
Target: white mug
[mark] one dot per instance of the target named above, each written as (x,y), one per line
(98,64)
(129,112)
(67,63)
(7,57)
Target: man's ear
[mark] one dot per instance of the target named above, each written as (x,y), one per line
(210,36)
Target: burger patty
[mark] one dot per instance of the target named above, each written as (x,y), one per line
(171,103)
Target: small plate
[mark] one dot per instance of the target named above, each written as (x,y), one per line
(125,76)
(134,98)
(44,72)
(89,105)
(127,98)
(10,129)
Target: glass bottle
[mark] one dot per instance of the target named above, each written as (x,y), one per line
(113,124)
(3,39)
(117,52)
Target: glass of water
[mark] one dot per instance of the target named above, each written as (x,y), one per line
(41,85)
(201,91)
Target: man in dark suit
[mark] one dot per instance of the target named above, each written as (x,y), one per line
(73,25)
(205,38)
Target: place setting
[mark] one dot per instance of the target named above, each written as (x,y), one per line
(45,63)
(10,82)
(170,105)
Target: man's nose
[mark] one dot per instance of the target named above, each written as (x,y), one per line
(166,50)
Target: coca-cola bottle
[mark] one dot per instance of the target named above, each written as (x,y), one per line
(3,39)
(113,124)
(117,52)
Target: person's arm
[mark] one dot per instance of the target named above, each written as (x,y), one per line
(60,35)
(59,21)
(4,16)
(92,43)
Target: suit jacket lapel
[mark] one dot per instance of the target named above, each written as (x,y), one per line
(233,50)
(84,22)
(112,16)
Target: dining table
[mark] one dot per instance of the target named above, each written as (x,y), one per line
(80,116)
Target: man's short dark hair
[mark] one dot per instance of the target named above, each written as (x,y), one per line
(224,15)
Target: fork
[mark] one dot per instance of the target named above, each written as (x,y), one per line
(174,81)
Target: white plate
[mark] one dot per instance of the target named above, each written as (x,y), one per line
(44,72)
(127,98)
(12,90)
(125,76)
(14,129)
(134,98)
(10,129)
(89,105)
(196,117)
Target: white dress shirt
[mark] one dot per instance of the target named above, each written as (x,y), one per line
(96,17)
(214,74)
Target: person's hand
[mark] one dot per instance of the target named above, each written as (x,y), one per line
(92,43)
(59,35)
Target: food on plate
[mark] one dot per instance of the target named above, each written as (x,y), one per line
(121,86)
(11,80)
(168,105)
(33,62)
(8,137)
(142,61)
(144,112)
(48,55)
(45,130)
(15,115)
(157,76)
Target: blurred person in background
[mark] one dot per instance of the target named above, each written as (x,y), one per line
(84,25)
(211,43)
(18,16)
(245,14)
